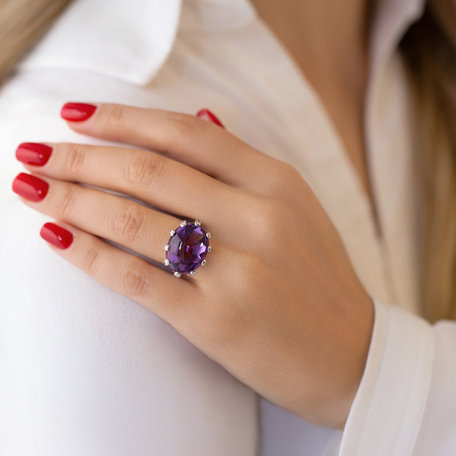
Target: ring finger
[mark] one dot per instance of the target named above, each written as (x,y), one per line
(125,222)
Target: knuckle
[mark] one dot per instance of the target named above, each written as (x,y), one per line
(271,219)
(128,223)
(66,204)
(144,169)
(248,268)
(268,211)
(135,282)
(75,156)
(115,116)
(182,125)
(283,176)
(289,172)
(90,260)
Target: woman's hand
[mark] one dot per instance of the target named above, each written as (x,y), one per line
(278,303)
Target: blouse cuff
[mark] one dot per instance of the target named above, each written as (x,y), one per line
(387,411)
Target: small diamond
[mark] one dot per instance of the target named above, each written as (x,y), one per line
(203,263)
(209,249)
(208,235)
(177,274)
(184,222)
(166,247)
(166,262)
(192,272)
(172,233)
(198,222)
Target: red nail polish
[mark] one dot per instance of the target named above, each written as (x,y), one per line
(208,115)
(30,187)
(36,154)
(77,112)
(56,235)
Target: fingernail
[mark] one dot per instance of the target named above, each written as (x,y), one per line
(56,235)
(77,112)
(208,115)
(30,187)
(36,154)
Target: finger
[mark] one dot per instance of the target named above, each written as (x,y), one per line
(189,139)
(155,289)
(125,222)
(209,116)
(164,183)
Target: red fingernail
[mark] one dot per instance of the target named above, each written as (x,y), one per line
(56,235)
(36,154)
(77,112)
(208,115)
(30,187)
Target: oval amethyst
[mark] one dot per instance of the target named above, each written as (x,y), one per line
(187,249)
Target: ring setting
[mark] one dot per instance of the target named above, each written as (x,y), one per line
(187,248)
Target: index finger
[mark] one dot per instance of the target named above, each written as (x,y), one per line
(187,138)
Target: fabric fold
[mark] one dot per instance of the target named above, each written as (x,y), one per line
(387,412)
(117,41)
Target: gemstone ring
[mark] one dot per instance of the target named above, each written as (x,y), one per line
(187,248)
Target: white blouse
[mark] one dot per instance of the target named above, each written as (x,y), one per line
(87,372)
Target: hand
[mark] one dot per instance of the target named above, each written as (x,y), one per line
(278,303)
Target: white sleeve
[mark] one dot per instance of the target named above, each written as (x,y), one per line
(406,401)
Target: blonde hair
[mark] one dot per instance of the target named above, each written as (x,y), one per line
(429,48)
(22,23)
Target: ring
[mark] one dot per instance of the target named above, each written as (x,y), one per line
(187,248)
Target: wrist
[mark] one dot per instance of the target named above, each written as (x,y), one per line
(356,363)
(334,397)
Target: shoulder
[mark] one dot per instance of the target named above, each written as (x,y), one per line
(125,40)
(95,50)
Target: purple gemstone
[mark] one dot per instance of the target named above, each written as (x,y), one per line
(187,248)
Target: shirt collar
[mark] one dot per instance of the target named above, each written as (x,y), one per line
(392,19)
(131,40)
(216,15)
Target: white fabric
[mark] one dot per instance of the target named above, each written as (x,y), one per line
(86,371)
